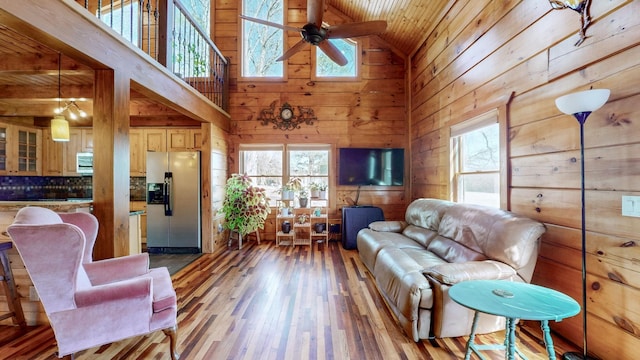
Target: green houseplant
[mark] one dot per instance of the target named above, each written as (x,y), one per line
(245,206)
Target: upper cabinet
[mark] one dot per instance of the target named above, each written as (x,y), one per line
(52,155)
(184,139)
(20,150)
(142,140)
(80,140)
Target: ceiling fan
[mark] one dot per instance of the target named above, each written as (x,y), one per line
(315,33)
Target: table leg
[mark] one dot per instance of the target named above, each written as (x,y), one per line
(548,341)
(472,336)
(510,338)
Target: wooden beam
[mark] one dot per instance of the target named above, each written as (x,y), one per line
(111,163)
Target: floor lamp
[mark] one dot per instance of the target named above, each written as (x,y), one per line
(580,105)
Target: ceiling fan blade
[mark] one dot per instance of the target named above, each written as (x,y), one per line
(315,10)
(292,50)
(269,23)
(349,30)
(333,53)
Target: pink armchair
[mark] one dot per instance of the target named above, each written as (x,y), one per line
(91,303)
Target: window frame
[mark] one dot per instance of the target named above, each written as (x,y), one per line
(357,59)
(286,164)
(471,123)
(241,25)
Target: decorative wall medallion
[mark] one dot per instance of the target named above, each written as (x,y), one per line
(582,7)
(286,117)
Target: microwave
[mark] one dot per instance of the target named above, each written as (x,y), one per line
(84,163)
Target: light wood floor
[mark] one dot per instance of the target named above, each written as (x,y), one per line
(268,302)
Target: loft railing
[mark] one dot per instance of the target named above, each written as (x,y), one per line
(166,31)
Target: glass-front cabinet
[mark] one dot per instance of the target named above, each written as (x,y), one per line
(20,150)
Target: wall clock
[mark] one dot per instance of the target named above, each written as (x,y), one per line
(286,112)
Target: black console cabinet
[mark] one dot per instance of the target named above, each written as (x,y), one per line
(356,218)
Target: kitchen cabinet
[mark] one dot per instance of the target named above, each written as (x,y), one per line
(141,206)
(20,150)
(142,140)
(184,139)
(52,155)
(137,152)
(155,140)
(80,140)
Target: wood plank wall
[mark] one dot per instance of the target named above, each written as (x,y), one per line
(482,52)
(369,112)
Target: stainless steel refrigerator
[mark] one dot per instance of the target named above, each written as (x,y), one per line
(173,202)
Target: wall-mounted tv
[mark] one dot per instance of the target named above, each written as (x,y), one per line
(371,166)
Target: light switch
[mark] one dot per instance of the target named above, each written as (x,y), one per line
(631,206)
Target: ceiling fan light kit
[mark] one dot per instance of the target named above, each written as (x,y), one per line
(316,34)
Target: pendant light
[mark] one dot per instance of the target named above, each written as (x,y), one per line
(59,125)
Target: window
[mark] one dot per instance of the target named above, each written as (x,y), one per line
(262,44)
(326,68)
(475,155)
(271,166)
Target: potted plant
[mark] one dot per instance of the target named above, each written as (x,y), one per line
(303,198)
(322,191)
(287,192)
(314,188)
(302,218)
(245,206)
(295,184)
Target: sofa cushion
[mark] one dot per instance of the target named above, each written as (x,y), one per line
(453,273)
(420,235)
(426,213)
(389,226)
(498,234)
(401,278)
(369,242)
(452,251)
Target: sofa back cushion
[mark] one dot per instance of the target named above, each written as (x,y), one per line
(454,252)
(419,234)
(426,213)
(495,233)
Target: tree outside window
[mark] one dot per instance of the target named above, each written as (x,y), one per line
(262,44)
(325,67)
(475,150)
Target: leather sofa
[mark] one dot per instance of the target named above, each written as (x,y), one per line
(440,243)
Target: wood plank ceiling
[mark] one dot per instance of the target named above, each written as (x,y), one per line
(29,70)
(408,21)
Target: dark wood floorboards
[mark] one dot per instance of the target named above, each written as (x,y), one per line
(268,302)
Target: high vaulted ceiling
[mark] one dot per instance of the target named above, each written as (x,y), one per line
(408,21)
(29,70)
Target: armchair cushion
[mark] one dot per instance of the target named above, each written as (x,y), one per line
(139,287)
(116,269)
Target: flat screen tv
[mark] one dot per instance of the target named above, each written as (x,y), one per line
(371,166)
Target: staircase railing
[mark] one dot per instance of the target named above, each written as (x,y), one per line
(166,31)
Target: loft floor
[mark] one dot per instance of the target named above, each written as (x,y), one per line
(268,302)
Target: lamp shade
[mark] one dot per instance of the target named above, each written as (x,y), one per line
(59,128)
(583,101)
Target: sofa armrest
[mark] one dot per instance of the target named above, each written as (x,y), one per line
(453,273)
(134,289)
(116,269)
(388,226)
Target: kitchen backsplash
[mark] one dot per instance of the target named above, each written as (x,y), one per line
(17,188)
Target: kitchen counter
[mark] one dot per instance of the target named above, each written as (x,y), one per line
(55,205)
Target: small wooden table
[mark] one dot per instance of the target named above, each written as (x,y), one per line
(514,301)
(9,287)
